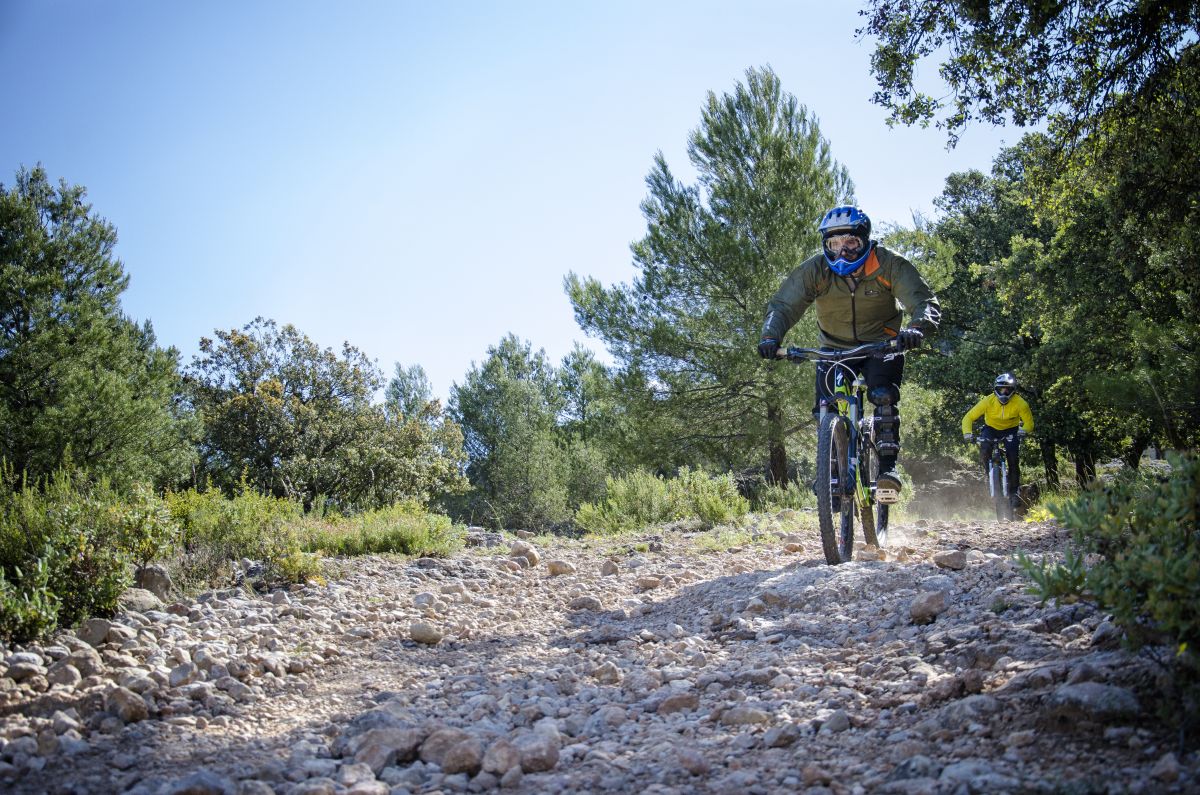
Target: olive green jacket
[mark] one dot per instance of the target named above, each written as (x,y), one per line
(851,311)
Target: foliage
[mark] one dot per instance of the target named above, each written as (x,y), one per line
(683,333)
(81,385)
(634,500)
(1065,581)
(147,528)
(1144,528)
(1075,249)
(28,607)
(774,497)
(217,531)
(1024,61)
(723,539)
(297,422)
(407,528)
(713,499)
(67,548)
(508,409)
(409,392)
(640,499)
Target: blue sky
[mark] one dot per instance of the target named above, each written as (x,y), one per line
(414,178)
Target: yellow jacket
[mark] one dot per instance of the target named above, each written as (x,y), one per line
(1001,417)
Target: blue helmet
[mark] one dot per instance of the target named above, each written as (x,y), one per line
(845,239)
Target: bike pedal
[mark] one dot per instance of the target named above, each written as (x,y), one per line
(886,496)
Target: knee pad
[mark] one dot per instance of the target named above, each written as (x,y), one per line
(883,395)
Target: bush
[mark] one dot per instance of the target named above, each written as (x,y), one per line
(713,499)
(407,528)
(67,547)
(217,531)
(640,499)
(1142,531)
(28,609)
(772,497)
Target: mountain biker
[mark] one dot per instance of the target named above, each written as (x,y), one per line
(1006,416)
(857,287)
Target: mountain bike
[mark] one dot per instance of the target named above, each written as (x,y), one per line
(998,477)
(847,459)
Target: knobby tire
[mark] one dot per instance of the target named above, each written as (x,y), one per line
(875,515)
(998,477)
(833,467)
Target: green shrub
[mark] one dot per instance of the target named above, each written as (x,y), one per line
(713,499)
(146,527)
(407,528)
(71,543)
(216,531)
(631,501)
(772,497)
(28,608)
(640,499)
(1143,532)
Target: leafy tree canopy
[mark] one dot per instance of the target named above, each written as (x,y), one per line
(1023,60)
(298,421)
(684,331)
(508,408)
(81,385)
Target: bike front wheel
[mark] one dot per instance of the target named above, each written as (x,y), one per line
(835,491)
(996,482)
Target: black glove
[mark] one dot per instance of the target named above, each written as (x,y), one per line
(767,347)
(909,338)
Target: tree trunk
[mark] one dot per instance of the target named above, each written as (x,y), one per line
(1085,466)
(777,451)
(1050,462)
(1133,453)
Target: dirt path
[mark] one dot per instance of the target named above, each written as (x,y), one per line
(666,663)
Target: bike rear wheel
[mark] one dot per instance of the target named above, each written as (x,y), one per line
(874,515)
(835,493)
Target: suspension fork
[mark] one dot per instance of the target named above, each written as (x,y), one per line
(861,486)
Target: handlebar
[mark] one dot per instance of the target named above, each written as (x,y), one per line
(879,350)
(1018,434)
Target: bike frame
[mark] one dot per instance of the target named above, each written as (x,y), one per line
(848,401)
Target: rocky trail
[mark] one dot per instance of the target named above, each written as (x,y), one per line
(652,665)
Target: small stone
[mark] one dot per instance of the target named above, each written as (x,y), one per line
(501,757)
(126,705)
(679,702)
(954,559)
(586,603)
(522,549)
(558,568)
(927,606)
(837,722)
(1166,769)
(539,752)
(424,632)
(743,716)
(693,761)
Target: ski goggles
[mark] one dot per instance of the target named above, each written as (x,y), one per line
(1004,391)
(843,244)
